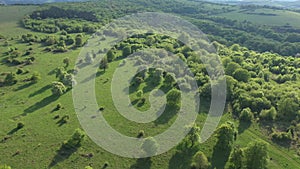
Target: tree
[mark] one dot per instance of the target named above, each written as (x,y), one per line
(140,93)
(58,88)
(246,115)
(10,79)
(200,161)
(269,114)
(236,158)
(256,155)
(150,146)
(104,64)
(231,67)
(241,75)
(169,80)
(78,41)
(174,98)
(288,108)
(126,51)
(225,137)
(76,139)
(89,58)
(194,135)
(35,77)
(110,56)
(66,61)
(5,167)
(68,80)
(51,40)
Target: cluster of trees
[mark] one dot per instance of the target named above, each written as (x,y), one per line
(281,39)
(253,80)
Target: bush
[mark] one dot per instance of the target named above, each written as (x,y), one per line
(246,115)
(10,79)
(200,161)
(106,164)
(58,88)
(20,125)
(35,77)
(268,114)
(58,106)
(20,71)
(282,136)
(76,139)
(141,134)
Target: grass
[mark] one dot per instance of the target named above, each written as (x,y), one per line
(10,19)
(279,18)
(38,143)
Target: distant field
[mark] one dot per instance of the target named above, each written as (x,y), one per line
(10,18)
(271,17)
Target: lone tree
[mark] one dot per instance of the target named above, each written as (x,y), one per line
(78,41)
(76,139)
(256,155)
(58,88)
(200,161)
(104,64)
(36,76)
(10,79)
(150,146)
(66,61)
(110,56)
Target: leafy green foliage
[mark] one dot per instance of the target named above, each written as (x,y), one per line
(58,88)
(150,146)
(256,155)
(200,161)
(75,140)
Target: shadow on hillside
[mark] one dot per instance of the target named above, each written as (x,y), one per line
(62,154)
(40,104)
(142,163)
(41,90)
(182,159)
(243,126)
(166,115)
(94,75)
(24,86)
(219,158)
(11,132)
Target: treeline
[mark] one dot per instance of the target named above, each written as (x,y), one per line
(284,40)
(56,12)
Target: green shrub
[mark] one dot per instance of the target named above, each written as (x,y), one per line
(20,125)
(76,139)
(246,115)
(282,136)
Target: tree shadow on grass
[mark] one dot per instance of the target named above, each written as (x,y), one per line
(243,126)
(182,159)
(40,104)
(166,115)
(41,90)
(62,154)
(142,163)
(24,86)
(219,158)
(11,132)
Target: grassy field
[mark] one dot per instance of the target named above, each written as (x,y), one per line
(37,145)
(10,19)
(272,17)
